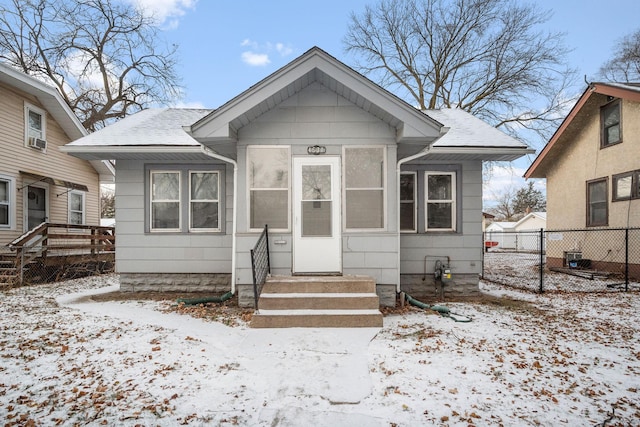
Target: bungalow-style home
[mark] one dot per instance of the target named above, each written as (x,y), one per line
(38,182)
(350,180)
(592,167)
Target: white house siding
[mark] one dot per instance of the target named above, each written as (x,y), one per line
(419,252)
(166,261)
(317,115)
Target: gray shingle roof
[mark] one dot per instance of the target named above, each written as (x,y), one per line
(466,130)
(157,126)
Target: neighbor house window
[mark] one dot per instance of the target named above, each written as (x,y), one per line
(626,186)
(204,197)
(76,207)
(440,189)
(597,206)
(364,172)
(165,200)
(35,123)
(268,182)
(5,203)
(611,124)
(408,201)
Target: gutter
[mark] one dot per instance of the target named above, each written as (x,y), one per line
(209,152)
(422,153)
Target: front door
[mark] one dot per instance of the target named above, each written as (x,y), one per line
(317,244)
(36,204)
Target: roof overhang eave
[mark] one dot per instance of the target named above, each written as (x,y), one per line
(483,153)
(109,152)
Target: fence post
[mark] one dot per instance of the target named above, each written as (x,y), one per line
(626,259)
(541,247)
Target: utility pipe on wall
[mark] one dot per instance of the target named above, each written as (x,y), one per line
(399,164)
(209,152)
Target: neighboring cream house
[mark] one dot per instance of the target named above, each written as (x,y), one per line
(592,167)
(350,179)
(38,182)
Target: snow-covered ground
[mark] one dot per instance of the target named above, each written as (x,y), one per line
(553,360)
(521,270)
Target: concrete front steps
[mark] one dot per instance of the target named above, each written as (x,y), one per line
(318,302)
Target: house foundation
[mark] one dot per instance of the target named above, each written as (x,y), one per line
(175,282)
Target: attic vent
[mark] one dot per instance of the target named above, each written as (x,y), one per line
(37,143)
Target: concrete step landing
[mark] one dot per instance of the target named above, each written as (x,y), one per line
(318,302)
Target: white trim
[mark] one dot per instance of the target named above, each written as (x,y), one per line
(385,214)
(83,211)
(28,108)
(10,202)
(234,216)
(415,203)
(249,188)
(452,200)
(197,230)
(165,230)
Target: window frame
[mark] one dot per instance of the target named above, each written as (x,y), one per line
(249,149)
(83,210)
(28,108)
(452,200)
(635,186)
(604,143)
(604,180)
(414,174)
(184,169)
(10,203)
(151,201)
(217,201)
(346,189)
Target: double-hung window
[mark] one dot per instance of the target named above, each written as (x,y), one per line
(408,192)
(204,201)
(440,201)
(268,182)
(365,177)
(165,201)
(35,123)
(611,129)
(597,204)
(76,207)
(5,203)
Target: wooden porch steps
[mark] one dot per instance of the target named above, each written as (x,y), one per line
(318,302)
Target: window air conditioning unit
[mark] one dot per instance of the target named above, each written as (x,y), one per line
(37,143)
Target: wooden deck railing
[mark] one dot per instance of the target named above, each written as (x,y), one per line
(50,247)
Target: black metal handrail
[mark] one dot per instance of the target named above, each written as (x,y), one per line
(260,263)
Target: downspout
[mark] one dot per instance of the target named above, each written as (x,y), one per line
(401,162)
(209,152)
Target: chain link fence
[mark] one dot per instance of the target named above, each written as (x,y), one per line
(586,260)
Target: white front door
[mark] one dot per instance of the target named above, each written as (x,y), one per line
(317,244)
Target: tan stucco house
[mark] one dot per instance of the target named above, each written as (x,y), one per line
(592,167)
(350,179)
(38,182)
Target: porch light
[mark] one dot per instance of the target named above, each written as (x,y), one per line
(316,149)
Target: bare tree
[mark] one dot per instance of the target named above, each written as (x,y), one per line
(488,57)
(624,66)
(104,57)
(107,202)
(503,208)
